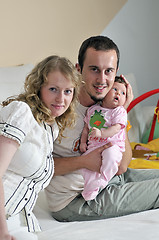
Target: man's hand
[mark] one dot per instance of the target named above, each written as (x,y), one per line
(93,160)
(129,93)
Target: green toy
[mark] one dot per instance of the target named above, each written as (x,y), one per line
(153,130)
(97,120)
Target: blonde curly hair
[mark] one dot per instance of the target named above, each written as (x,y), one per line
(38,78)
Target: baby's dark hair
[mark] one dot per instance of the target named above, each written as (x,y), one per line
(119,79)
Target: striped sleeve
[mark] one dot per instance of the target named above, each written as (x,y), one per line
(15,121)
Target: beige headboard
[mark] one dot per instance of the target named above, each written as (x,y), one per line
(34,29)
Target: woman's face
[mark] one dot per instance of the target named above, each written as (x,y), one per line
(57,94)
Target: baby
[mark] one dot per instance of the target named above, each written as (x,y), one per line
(105,123)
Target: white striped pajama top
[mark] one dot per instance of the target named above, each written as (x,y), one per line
(32,166)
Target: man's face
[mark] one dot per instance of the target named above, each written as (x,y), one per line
(98,73)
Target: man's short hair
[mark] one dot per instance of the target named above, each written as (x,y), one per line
(99,43)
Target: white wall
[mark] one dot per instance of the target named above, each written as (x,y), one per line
(31,30)
(135,29)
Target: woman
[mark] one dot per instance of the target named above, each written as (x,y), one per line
(29,123)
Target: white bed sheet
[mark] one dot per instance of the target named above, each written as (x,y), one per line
(139,226)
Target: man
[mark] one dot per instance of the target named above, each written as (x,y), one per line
(98,62)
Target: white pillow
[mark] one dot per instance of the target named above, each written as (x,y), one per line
(135,118)
(132,80)
(12,80)
(148,113)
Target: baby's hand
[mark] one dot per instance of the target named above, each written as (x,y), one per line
(83,147)
(95,132)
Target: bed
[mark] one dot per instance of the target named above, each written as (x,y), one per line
(144,225)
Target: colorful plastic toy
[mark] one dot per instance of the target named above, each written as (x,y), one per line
(153,131)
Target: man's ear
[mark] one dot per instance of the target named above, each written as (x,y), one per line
(78,67)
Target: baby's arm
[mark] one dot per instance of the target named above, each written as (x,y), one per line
(84,138)
(106,132)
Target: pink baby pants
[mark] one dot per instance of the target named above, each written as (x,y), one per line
(94,181)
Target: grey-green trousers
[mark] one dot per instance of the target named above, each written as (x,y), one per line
(131,192)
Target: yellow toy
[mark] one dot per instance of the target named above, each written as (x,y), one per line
(128,127)
(144,162)
(153,157)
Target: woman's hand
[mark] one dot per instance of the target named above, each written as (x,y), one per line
(7,236)
(8,147)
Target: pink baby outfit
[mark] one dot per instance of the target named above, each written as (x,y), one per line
(100,117)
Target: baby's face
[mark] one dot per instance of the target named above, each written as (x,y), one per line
(116,96)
